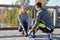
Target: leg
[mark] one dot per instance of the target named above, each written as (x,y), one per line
(50,37)
(26,32)
(33,34)
(25,28)
(20,29)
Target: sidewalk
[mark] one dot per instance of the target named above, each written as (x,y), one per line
(16,35)
(23,38)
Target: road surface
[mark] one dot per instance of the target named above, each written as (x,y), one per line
(16,35)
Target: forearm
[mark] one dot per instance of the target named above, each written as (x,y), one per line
(21,25)
(34,26)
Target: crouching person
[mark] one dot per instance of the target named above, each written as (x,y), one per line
(43,21)
(24,20)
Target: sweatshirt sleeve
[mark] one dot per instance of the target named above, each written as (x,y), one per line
(20,20)
(37,20)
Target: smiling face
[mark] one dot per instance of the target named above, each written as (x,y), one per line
(23,9)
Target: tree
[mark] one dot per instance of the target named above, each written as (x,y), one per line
(23,2)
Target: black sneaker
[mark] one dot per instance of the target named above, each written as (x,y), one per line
(20,29)
(22,33)
(26,35)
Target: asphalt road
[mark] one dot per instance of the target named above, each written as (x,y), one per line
(16,35)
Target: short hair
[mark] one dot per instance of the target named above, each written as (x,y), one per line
(39,4)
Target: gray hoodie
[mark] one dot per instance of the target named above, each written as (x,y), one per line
(43,15)
(22,17)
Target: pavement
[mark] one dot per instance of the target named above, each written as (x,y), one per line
(16,35)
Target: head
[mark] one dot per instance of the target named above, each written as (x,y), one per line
(23,8)
(38,6)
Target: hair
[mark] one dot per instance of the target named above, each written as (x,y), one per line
(23,5)
(39,4)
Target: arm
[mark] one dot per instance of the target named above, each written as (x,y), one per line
(36,23)
(20,21)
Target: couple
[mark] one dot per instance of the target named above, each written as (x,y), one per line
(43,21)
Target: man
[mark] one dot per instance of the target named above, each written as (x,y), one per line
(24,20)
(43,21)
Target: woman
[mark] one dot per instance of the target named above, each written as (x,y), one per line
(24,20)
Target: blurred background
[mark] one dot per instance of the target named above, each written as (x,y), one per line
(9,10)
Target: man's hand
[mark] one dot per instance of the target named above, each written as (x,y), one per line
(29,33)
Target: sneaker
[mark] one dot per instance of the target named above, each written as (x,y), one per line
(20,29)
(22,33)
(26,35)
(31,36)
(34,36)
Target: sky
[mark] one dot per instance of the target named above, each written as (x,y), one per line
(32,2)
(7,1)
(53,3)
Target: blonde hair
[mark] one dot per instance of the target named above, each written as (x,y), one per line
(23,6)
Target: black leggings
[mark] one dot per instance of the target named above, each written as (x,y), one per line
(25,25)
(46,30)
